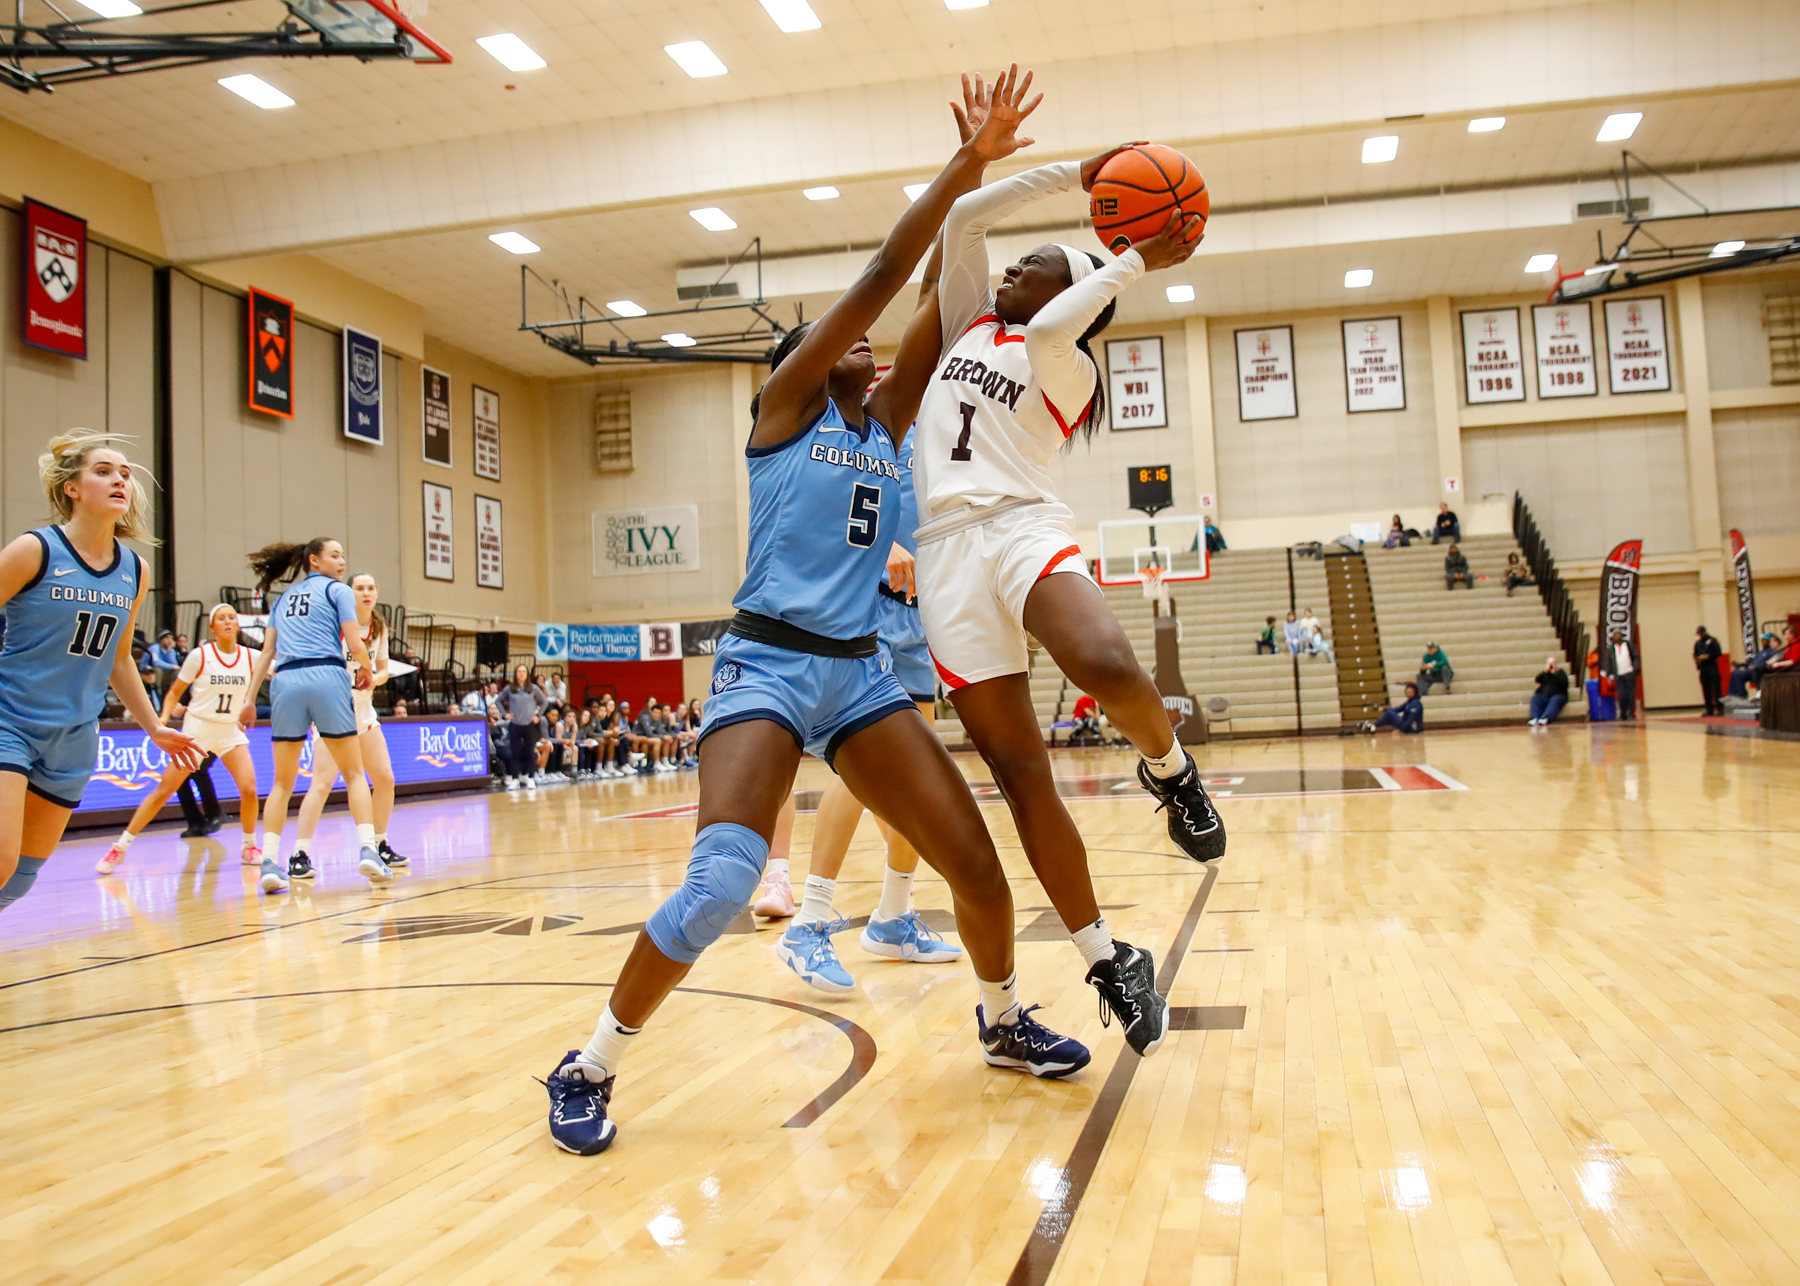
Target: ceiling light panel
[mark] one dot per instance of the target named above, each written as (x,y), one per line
(512,241)
(111,8)
(1179,294)
(256,90)
(713,219)
(820,194)
(965,4)
(915,190)
(679,339)
(1357,278)
(1540,263)
(1618,127)
(1487,124)
(1725,249)
(693,57)
(511,52)
(792,15)
(626,308)
(1383,147)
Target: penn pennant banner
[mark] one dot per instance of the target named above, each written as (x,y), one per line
(55,295)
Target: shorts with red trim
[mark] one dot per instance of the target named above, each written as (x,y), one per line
(974,579)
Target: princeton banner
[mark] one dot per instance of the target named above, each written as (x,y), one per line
(1746,592)
(1619,591)
(362,386)
(55,295)
(271,354)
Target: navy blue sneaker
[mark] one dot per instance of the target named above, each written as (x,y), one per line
(578,1121)
(1030,1046)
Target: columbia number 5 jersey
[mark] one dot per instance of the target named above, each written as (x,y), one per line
(62,632)
(986,431)
(824,508)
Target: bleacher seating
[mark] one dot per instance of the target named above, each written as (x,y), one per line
(1496,644)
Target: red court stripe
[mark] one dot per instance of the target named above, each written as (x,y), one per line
(1412,779)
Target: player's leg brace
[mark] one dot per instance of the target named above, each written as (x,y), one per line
(722,875)
(22,879)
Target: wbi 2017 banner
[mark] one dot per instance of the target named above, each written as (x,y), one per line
(55,296)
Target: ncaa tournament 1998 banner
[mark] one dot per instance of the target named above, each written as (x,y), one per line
(271,354)
(129,765)
(1746,592)
(55,295)
(362,386)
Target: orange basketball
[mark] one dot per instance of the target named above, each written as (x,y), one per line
(1137,190)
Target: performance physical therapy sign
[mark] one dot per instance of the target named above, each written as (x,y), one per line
(1493,363)
(1265,366)
(55,296)
(633,541)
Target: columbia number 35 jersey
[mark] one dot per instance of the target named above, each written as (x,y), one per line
(62,631)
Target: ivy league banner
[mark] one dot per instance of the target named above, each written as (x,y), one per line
(55,297)
(1746,590)
(633,541)
(271,354)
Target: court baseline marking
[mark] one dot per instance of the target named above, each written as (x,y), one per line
(1046,1243)
(862,1044)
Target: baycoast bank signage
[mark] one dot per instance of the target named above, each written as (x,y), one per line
(631,541)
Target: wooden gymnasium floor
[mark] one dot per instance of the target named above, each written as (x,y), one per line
(1544,1027)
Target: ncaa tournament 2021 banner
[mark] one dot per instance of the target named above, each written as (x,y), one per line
(362,386)
(431,750)
(271,354)
(55,296)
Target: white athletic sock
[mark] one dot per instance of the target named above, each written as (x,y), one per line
(249,839)
(271,846)
(1094,941)
(300,846)
(1167,765)
(998,1004)
(607,1049)
(776,866)
(124,841)
(815,905)
(896,894)
(380,838)
(365,834)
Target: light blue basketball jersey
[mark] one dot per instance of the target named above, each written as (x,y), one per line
(907,530)
(62,632)
(823,509)
(307,619)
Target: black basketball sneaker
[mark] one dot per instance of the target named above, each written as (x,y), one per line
(300,867)
(1194,824)
(1127,987)
(389,856)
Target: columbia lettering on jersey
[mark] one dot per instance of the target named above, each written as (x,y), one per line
(991,383)
(823,506)
(62,635)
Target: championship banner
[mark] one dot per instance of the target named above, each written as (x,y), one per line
(1746,588)
(1619,591)
(271,354)
(1374,371)
(434,414)
(55,297)
(440,544)
(1134,372)
(1637,344)
(487,432)
(362,386)
(490,546)
(1493,364)
(1565,350)
(1265,364)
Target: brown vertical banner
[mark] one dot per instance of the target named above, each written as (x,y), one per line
(1746,590)
(434,420)
(55,295)
(1619,591)
(271,354)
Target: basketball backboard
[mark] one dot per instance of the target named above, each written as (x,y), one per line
(1176,544)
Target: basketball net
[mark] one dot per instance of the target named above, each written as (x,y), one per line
(1152,579)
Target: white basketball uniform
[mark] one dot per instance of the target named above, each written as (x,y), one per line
(217,691)
(362,702)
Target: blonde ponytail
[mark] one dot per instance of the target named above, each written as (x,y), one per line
(63,462)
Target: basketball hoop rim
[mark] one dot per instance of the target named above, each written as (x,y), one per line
(402,22)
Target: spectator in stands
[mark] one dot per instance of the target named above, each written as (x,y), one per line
(635,741)
(1517,573)
(557,690)
(655,724)
(474,701)
(1215,539)
(1790,653)
(1456,569)
(1086,716)
(548,749)
(1293,635)
(166,664)
(1408,716)
(1552,694)
(1706,660)
(400,708)
(1445,526)
(1751,671)
(1308,622)
(1265,642)
(1397,536)
(1619,661)
(182,646)
(498,750)
(522,702)
(687,734)
(1434,667)
(1316,644)
(587,744)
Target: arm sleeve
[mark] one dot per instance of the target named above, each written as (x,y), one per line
(1067,374)
(963,290)
(190,668)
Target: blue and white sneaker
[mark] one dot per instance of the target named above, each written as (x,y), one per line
(578,1120)
(274,880)
(807,950)
(1030,1046)
(907,937)
(373,868)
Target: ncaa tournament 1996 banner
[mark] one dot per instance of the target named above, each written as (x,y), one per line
(129,765)
(271,354)
(55,295)
(362,386)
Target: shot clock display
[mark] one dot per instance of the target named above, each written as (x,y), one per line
(1147,488)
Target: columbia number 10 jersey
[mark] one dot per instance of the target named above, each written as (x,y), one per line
(986,432)
(62,632)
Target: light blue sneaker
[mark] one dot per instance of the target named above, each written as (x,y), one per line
(907,937)
(373,869)
(807,950)
(273,879)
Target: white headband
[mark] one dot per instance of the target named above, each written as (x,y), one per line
(1080,264)
(217,608)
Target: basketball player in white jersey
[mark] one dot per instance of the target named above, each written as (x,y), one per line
(376,762)
(1015,383)
(215,679)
